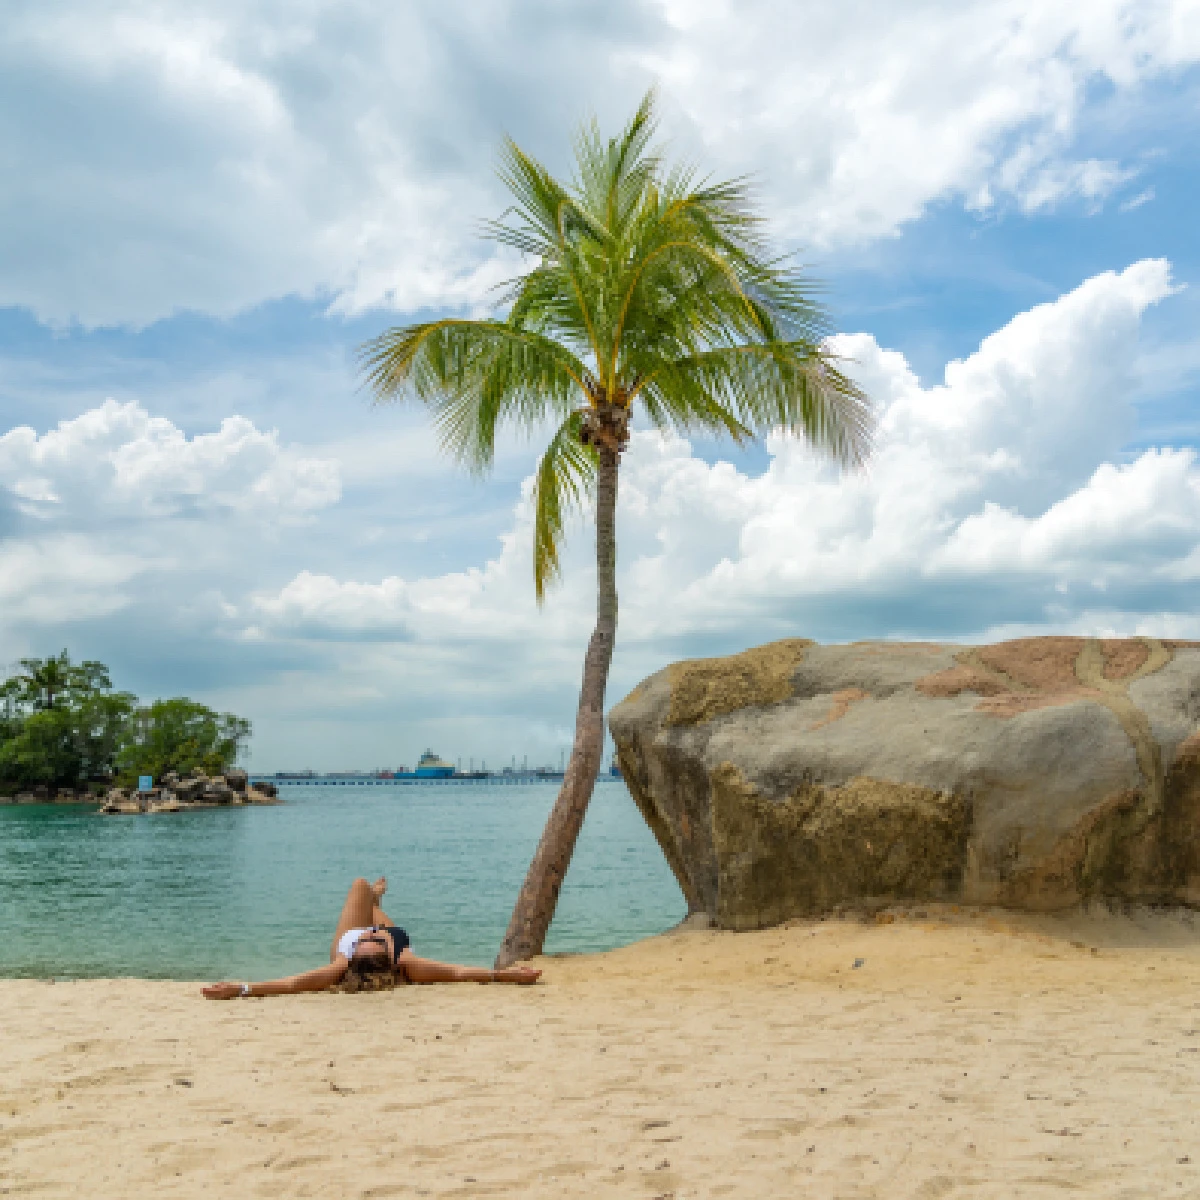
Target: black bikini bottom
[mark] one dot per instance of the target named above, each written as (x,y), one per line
(400,940)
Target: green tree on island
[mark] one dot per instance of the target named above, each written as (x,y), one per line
(180,735)
(62,725)
(650,290)
(62,722)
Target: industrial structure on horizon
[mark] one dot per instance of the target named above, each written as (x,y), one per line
(430,768)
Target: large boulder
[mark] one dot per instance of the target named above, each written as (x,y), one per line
(796,779)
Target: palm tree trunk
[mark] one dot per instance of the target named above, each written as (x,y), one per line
(538,898)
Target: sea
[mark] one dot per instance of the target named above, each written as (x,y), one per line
(255,893)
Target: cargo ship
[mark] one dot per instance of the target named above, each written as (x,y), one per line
(429,766)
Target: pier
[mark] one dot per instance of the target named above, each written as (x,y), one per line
(507,778)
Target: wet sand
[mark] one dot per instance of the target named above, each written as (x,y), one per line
(971,1054)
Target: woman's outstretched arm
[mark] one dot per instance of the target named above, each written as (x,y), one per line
(426,970)
(310,981)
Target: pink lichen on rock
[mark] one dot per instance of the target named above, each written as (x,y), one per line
(840,703)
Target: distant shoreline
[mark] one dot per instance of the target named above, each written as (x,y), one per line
(94,800)
(335,779)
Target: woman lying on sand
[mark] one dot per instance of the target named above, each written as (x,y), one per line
(369,953)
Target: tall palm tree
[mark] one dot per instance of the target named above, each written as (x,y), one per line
(648,289)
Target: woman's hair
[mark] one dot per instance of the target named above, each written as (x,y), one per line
(368,973)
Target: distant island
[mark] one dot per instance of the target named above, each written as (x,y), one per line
(67,736)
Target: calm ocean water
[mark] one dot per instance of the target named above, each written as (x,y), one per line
(255,892)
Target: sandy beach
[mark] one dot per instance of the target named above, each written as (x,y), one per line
(970,1054)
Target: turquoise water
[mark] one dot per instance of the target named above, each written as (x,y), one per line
(255,892)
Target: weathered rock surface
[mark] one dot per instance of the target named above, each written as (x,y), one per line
(1037,774)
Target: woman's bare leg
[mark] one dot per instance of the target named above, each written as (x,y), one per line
(378,916)
(426,970)
(357,912)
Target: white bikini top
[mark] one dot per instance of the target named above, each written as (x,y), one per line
(350,939)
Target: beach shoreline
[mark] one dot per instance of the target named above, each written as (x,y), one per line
(978,1053)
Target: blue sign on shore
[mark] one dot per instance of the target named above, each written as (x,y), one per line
(145,783)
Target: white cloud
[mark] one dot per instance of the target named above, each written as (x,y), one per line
(860,114)
(1092,180)
(214,155)
(63,578)
(318,604)
(445,611)
(118,459)
(1124,521)
(117,508)
(1004,484)
(1143,197)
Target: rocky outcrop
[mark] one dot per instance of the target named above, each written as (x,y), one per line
(179,794)
(796,779)
(120,801)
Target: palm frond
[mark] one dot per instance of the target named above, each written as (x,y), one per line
(563,483)
(794,386)
(612,175)
(473,375)
(547,222)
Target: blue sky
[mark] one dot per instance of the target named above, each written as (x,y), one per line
(206,207)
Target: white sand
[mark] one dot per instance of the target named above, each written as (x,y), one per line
(971,1055)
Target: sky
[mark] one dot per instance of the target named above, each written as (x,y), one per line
(206,207)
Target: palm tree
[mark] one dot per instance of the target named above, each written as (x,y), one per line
(45,683)
(648,289)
